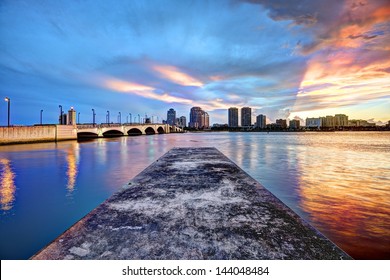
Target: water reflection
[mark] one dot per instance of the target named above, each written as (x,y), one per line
(341,193)
(339,182)
(72,159)
(7,185)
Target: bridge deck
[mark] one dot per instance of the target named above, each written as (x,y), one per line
(192,203)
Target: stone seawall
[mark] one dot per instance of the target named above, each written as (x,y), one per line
(192,203)
(39,133)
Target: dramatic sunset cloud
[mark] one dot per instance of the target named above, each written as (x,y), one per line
(352,66)
(173,74)
(143,91)
(285,59)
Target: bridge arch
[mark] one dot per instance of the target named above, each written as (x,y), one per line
(112,133)
(149,131)
(134,132)
(87,135)
(160,130)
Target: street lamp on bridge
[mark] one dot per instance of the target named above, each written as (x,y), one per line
(7,99)
(41,116)
(78,116)
(108,117)
(120,118)
(130,117)
(93,117)
(60,113)
(139,118)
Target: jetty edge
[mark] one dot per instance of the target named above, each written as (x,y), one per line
(192,203)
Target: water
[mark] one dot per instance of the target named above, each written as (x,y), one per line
(338,181)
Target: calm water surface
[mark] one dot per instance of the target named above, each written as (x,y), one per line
(339,182)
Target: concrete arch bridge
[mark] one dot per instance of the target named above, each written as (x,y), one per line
(113,130)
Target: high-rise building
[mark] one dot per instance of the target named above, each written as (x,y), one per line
(206,120)
(340,120)
(71,120)
(281,123)
(182,121)
(329,122)
(198,118)
(261,121)
(171,117)
(294,124)
(195,117)
(246,116)
(314,122)
(233,117)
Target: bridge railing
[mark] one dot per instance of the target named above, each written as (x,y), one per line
(81,126)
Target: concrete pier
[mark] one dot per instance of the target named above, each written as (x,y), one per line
(192,203)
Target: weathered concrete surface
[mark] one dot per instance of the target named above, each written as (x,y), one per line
(193,203)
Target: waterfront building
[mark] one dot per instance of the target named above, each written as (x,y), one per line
(314,122)
(206,118)
(71,118)
(218,125)
(281,123)
(340,120)
(261,121)
(323,121)
(182,121)
(233,117)
(246,116)
(328,122)
(198,118)
(171,117)
(294,124)
(195,117)
(360,123)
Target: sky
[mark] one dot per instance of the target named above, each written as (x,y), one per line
(285,59)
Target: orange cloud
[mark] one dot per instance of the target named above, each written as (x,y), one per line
(382,13)
(125,86)
(142,90)
(327,86)
(175,75)
(349,67)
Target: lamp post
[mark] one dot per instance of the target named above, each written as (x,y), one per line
(120,118)
(41,116)
(139,119)
(78,116)
(108,117)
(93,117)
(7,99)
(130,117)
(60,113)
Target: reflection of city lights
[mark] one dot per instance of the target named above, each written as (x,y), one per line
(72,159)
(7,185)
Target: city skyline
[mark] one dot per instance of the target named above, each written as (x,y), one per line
(283,60)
